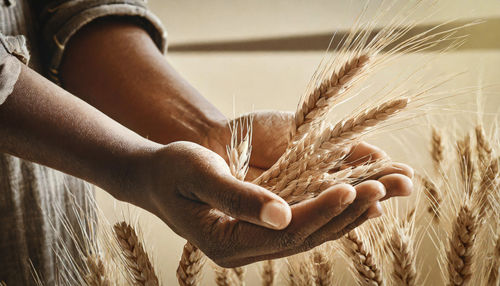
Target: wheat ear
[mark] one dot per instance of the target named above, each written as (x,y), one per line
(136,259)
(437,149)
(225,277)
(190,265)
(320,101)
(464,151)
(403,255)
(433,197)
(483,146)
(307,187)
(240,274)
(300,272)
(323,269)
(96,275)
(367,272)
(331,144)
(460,253)
(268,273)
(486,190)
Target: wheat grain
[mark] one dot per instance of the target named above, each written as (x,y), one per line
(366,270)
(139,266)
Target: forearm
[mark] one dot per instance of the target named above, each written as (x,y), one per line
(116,67)
(43,123)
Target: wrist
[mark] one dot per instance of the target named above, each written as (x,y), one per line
(133,169)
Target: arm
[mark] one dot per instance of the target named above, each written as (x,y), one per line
(115,66)
(182,183)
(43,123)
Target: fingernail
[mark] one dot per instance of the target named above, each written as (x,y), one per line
(276,214)
(375,211)
(348,197)
(381,192)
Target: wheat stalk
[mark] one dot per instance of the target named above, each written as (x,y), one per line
(365,268)
(139,266)
(268,273)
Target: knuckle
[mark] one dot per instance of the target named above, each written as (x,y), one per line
(232,202)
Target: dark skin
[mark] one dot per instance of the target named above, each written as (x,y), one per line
(115,67)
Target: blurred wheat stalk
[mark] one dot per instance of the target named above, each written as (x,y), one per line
(461,192)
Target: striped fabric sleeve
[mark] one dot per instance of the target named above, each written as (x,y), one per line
(13,53)
(61,19)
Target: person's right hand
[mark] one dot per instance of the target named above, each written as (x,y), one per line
(236,223)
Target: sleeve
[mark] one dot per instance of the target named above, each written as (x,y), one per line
(13,53)
(59,20)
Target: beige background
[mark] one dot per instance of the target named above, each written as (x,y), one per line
(276,80)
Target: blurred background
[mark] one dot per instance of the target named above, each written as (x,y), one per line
(253,55)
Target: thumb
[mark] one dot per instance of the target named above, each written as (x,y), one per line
(247,202)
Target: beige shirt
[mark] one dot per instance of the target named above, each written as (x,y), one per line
(33,197)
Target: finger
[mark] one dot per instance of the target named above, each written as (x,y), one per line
(364,153)
(372,211)
(395,168)
(397,185)
(308,216)
(246,201)
(368,194)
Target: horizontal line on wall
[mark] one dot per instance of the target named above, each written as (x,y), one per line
(483,36)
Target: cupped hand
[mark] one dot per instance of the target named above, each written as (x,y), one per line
(235,223)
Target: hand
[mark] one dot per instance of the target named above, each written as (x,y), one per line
(236,223)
